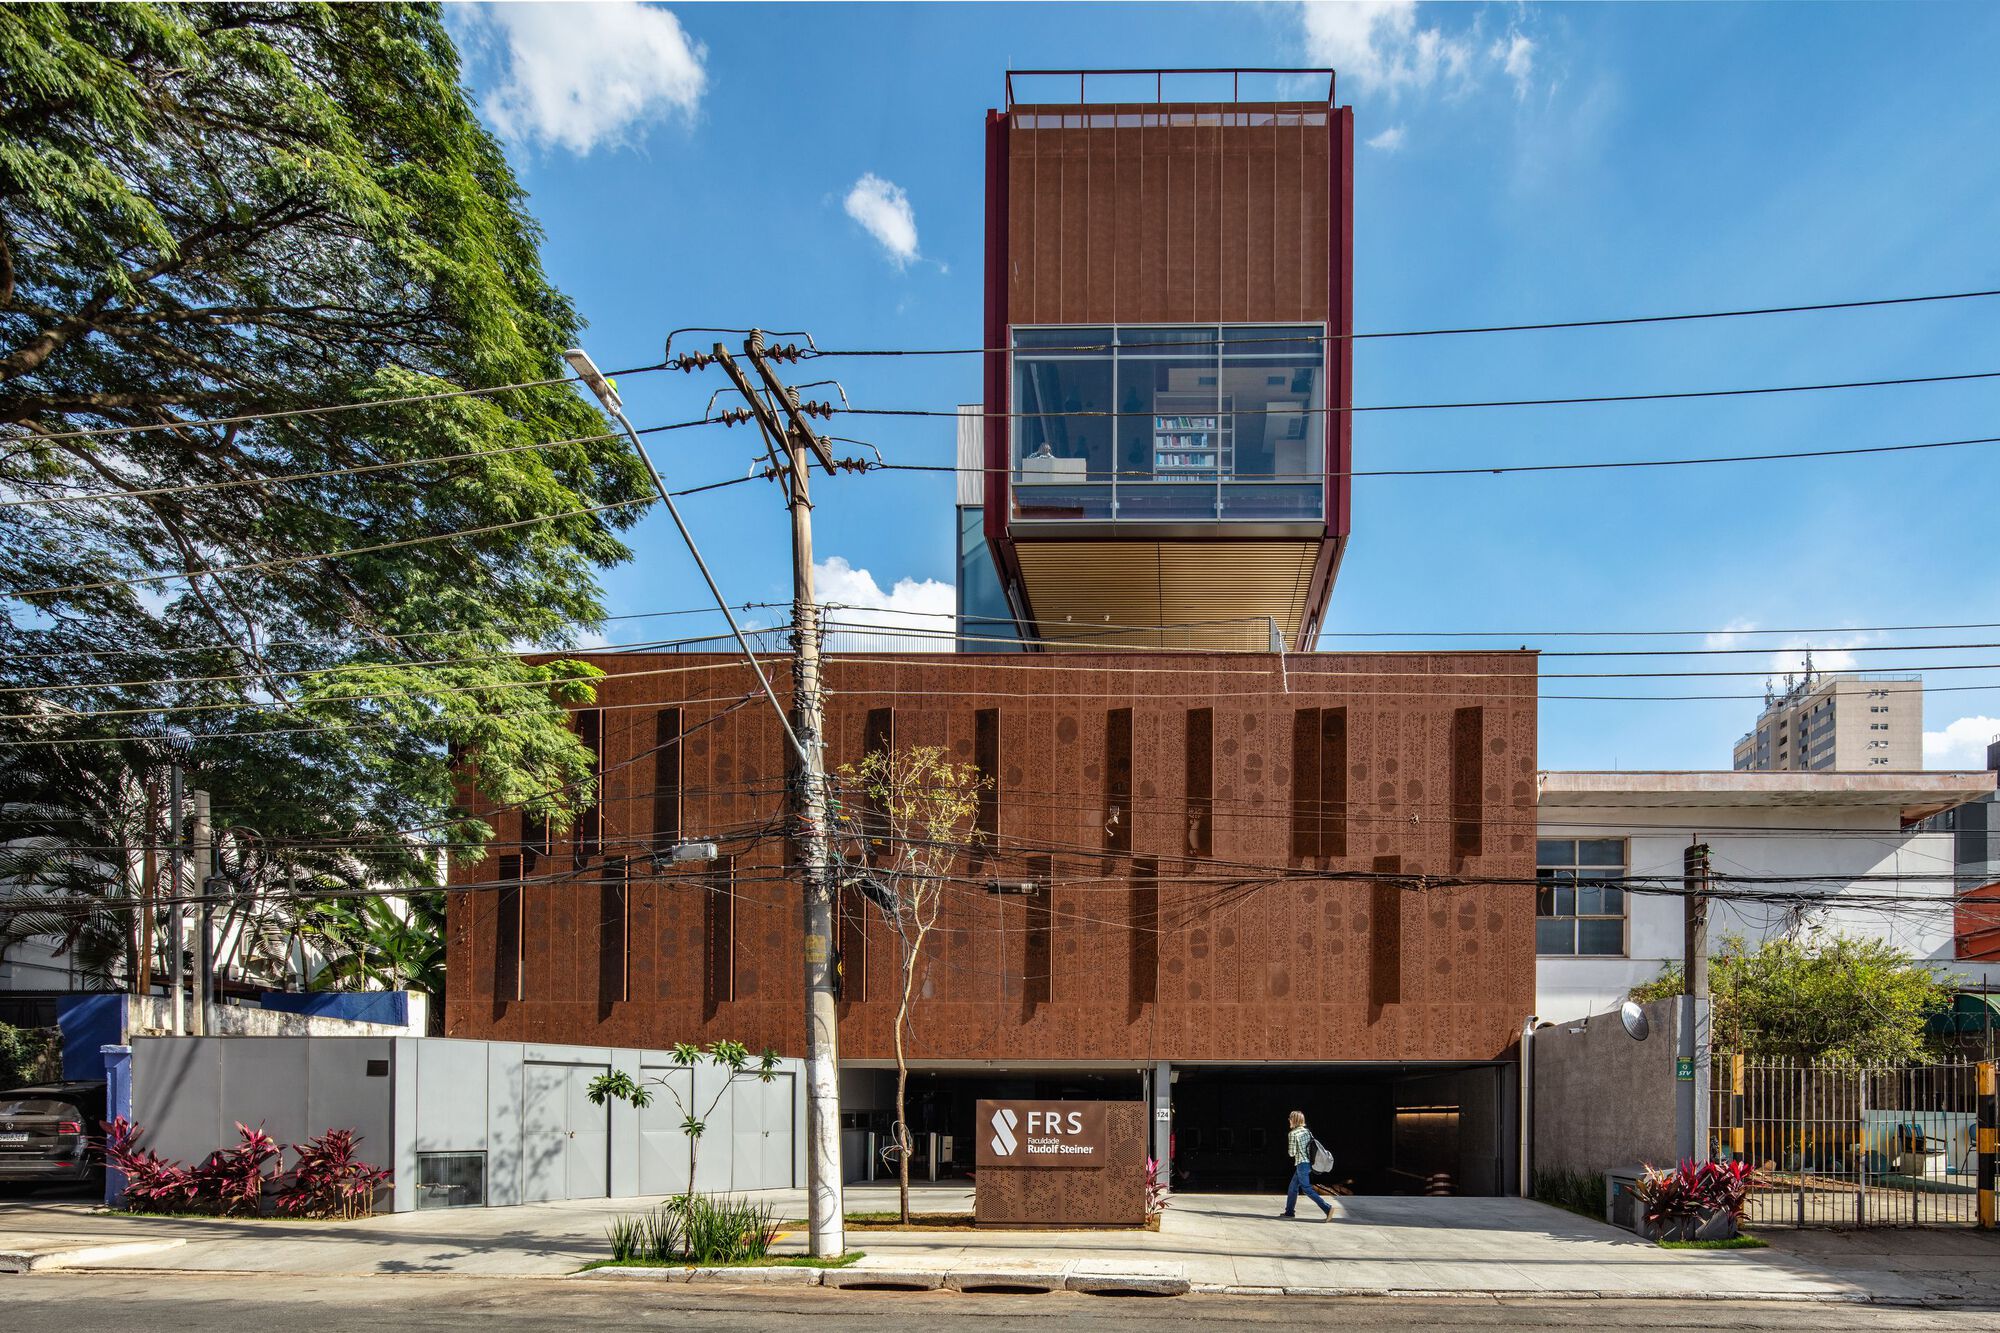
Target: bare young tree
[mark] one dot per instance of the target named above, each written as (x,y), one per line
(916,817)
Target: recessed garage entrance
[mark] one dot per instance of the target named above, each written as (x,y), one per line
(1393,1129)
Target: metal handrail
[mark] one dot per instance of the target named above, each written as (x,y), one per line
(1082,77)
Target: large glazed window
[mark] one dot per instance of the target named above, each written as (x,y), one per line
(1186,422)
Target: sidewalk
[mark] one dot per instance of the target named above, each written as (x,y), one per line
(1206,1243)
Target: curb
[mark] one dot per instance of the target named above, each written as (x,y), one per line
(747,1276)
(31,1261)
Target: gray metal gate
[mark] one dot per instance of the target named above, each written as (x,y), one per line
(1849,1145)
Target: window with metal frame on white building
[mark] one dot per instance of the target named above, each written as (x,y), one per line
(1577,913)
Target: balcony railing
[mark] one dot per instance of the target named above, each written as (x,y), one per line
(1188,85)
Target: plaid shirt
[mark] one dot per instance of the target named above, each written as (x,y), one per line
(1300,1142)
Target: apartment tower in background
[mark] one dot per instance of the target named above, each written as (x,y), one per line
(1848,722)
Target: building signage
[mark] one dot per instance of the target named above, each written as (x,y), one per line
(1684,1068)
(1070,1134)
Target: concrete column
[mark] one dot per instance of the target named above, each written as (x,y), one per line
(117,1104)
(1162,1118)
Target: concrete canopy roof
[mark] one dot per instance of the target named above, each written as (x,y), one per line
(1914,795)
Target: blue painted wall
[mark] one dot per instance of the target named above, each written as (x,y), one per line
(89,1023)
(377,1006)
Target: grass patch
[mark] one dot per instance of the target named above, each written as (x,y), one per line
(790,1261)
(1744,1242)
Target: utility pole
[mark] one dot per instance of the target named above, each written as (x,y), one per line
(808,790)
(828,1222)
(204,951)
(176,910)
(1689,1088)
(149,888)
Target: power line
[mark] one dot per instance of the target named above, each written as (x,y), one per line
(1475,328)
(1501,469)
(156,682)
(1660,396)
(204,487)
(174,650)
(278,414)
(284,562)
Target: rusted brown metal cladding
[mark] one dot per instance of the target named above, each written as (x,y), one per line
(1158,936)
(1107,1193)
(1174,213)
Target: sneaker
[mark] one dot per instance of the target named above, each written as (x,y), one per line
(1327,1216)
(1288,1217)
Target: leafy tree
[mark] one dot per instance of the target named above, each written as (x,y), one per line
(228,210)
(1830,997)
(372,941)
(914,816)
(732,1056)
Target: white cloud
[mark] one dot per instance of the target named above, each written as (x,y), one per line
(1381,46)
(578,76)
(1388,140)
(883,209)
(1378,44)
(910,617)
(1787,653)
(1962,744)
(1517,60)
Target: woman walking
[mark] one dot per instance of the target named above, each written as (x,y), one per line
(1300,1142)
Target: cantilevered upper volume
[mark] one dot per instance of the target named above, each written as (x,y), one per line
(1168,299)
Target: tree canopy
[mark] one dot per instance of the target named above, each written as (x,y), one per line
(1828,997)
(226,211)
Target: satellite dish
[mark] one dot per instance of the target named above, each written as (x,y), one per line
(1634,1019)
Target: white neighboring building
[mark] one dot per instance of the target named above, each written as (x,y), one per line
(1593,945)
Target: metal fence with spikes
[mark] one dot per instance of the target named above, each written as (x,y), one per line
(1844,1145)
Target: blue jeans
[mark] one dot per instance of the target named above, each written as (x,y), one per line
(1302,1184)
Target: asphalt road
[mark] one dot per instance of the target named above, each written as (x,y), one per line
(118,1303)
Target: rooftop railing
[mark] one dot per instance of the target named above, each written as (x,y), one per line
(1132,85)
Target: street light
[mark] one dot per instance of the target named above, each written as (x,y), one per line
(607,395)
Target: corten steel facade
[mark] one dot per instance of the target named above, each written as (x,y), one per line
(1170,214)
(1147,796)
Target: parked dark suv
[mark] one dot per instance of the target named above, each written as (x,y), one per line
(52,1132)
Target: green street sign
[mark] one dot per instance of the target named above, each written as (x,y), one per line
(1684,1068)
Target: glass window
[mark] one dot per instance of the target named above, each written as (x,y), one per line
(1170,422)
(1580,897)
(1063,423)
(1274,400)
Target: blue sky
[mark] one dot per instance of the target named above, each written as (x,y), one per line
(694,165)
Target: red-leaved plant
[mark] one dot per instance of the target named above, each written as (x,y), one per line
(1156,1188)
(1695,1190)
(232,1180)
(327,1182)
(152,1183)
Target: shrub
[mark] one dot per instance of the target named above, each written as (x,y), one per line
(694,1229)
(1578,1191)
(232,1180)
(327,1182)
(1157,1192)
(29,1055)
(1695,1190)
(152,1183)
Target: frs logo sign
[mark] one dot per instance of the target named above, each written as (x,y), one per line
(1003,1132)
(1022,1133)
